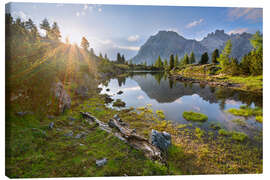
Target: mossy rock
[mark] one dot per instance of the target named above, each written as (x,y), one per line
(119,103)
(193,116)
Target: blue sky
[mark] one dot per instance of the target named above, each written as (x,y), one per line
(121,28)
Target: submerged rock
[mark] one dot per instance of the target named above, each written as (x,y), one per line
(120,92)
(119,103)
(161,140)
(101,162)
(108,99)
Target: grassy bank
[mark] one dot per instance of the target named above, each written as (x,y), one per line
(209,72)
(34,150)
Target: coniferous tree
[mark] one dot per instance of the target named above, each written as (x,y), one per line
(45,26)
(176,61)
(165,64)
(171,62)
(224,58)
(186,59)
(123,60)
(119,58)
(55,32)
(215,56)
(204,58)
(192,58)
(84,44)
(106,57)
(100,55)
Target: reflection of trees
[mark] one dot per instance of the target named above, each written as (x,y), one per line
(246,98)
(171,83)
(164,89)
(158,77)
(121,80)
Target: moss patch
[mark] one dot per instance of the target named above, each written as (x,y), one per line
(193,116)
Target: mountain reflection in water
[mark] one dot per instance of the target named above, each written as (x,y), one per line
(175,97)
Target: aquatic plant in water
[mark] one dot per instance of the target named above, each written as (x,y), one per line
(193,116)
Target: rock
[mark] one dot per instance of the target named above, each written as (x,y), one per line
(51,125)
(119,103)
(116,117)
(82,91)
(161,140)
(111,124)
(69,134)
(64,100)
(101,162)
(120,92)
(80,135)
(71,118)
(107,89)
(108,99)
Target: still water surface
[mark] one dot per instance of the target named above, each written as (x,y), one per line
(174,97)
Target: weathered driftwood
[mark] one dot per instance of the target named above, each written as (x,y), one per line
(128,135)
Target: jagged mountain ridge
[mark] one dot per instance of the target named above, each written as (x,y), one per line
(165,43)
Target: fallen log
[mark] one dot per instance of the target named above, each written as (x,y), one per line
(128,135)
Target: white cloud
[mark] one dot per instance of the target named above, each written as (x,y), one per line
(131,48)
(99,9)
(135,88)
(238,31)
(21,14)
(77,13)
(133,38)
(247,13)
(85,7)
(194,23)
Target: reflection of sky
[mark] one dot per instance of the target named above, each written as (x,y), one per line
(134,96)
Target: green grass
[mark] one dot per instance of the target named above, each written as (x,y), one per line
(238,136)
(160,114)
(199,133)
(246,111)
(251,83)
(193,116)
(205,72)
(223,132)
(259,119)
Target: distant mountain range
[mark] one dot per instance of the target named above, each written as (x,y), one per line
(165,43)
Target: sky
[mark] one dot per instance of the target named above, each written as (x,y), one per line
(124,28)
